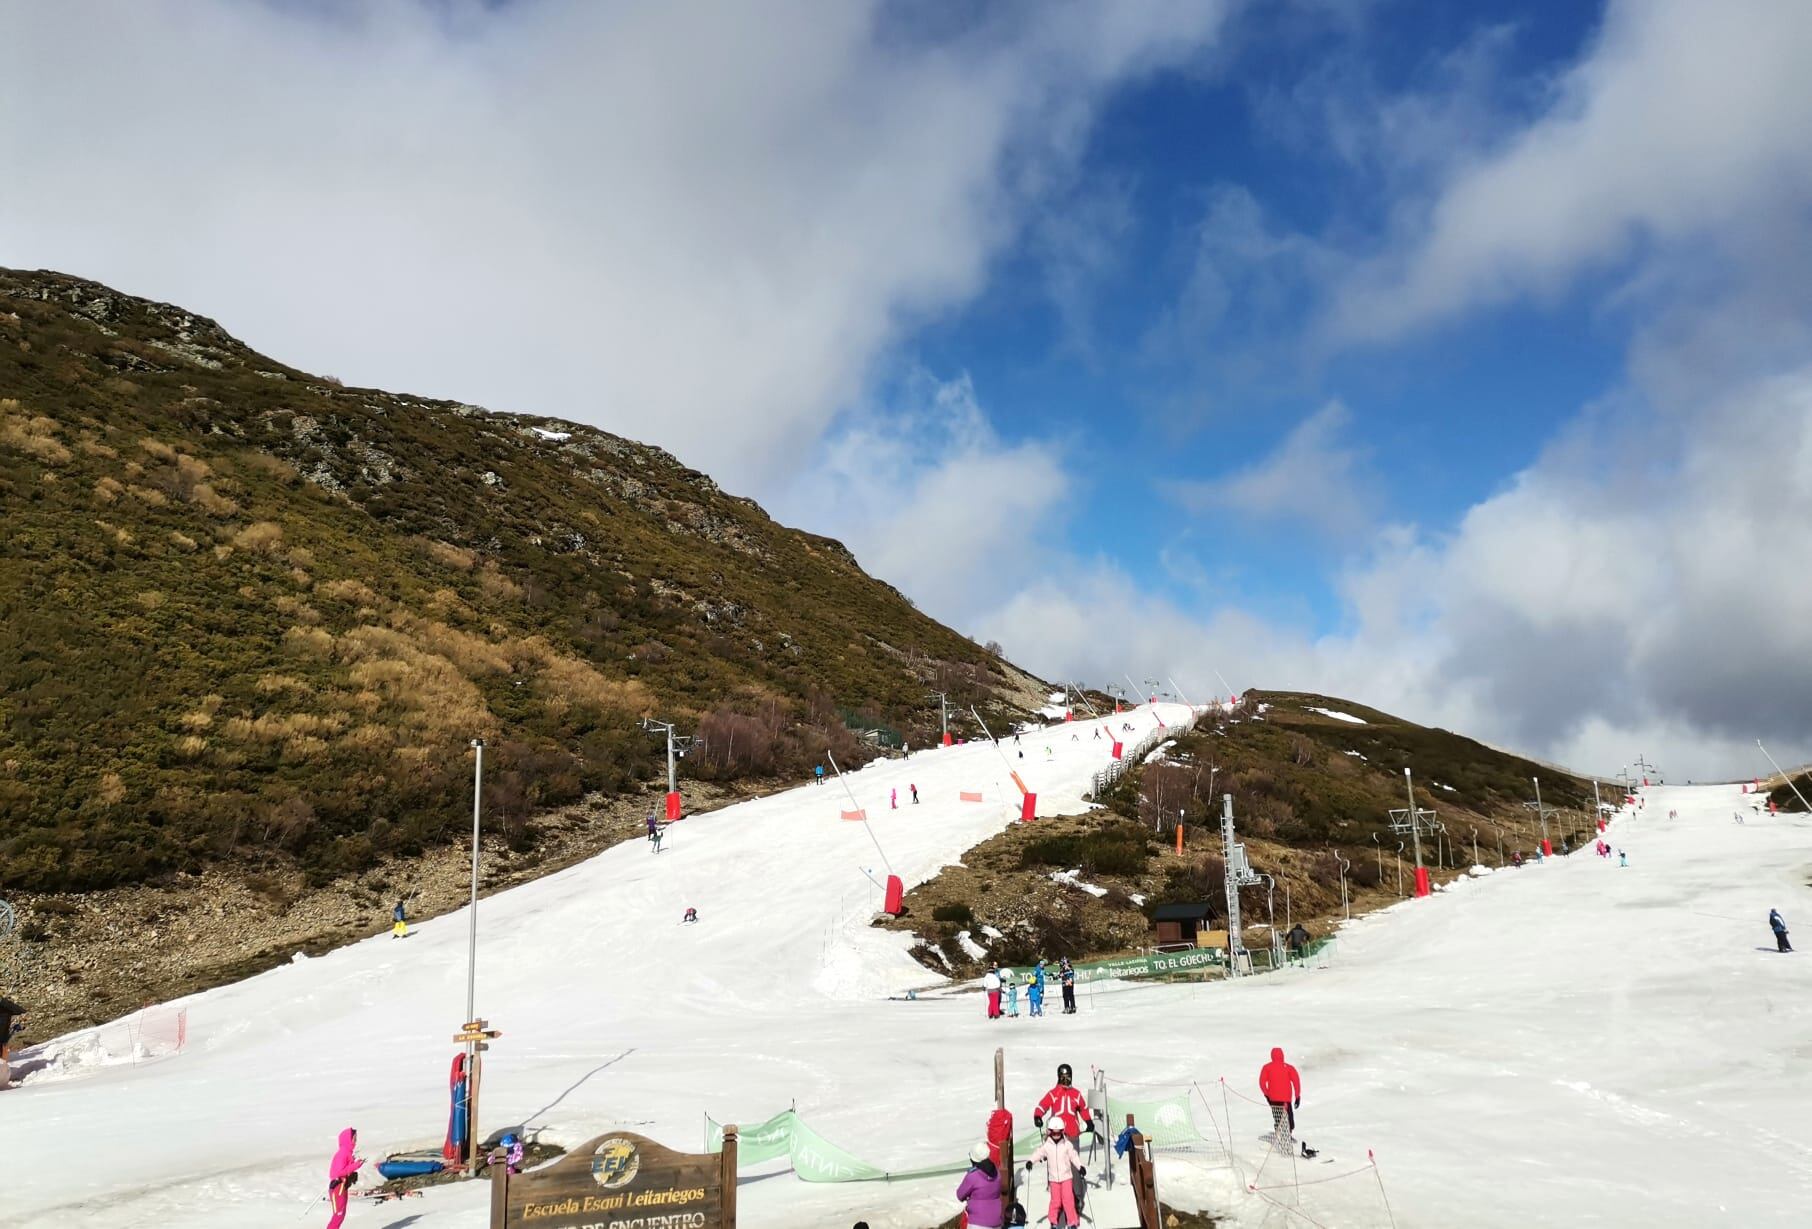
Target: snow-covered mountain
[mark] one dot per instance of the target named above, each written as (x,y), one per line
(1576,1042)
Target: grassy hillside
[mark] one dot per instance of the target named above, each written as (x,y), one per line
(245,611)
(1308,791)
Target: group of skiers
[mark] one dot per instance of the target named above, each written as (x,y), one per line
(1002,983)
(1062,1116)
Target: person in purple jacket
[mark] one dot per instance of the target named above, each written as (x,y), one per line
(980,1190)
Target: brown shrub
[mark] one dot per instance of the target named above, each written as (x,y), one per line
(205,497)
(106,490)
(346,591)
(450,555)
(111,791)
(260,537)
(35,437)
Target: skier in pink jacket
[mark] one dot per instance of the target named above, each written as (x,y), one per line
(1062,1165)
(342,1172)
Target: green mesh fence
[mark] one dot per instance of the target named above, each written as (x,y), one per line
(816,1159)
(1166,1121)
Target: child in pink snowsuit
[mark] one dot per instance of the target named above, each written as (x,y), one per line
(341,1174)
(1061,1165)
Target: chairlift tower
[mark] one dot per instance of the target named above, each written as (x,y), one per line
(1542,812)
(677,745)
(1414,820)
(1239,875)
(943,715)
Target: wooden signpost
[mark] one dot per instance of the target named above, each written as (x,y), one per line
(475,1036)
(621,1181)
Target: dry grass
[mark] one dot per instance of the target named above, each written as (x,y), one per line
(150,599)
(450,555)
(260,537)
(496,586)
(111,791)
(149,496)
(348,590)
(431,692)
(567,680)
(158,450)
(276,728)
(205,497)
(311,641)
(182,541)
(191,746)
(35,436)
(275,684)
(106,490)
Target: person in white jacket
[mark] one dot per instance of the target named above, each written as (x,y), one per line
(991,983)
(1062,1166)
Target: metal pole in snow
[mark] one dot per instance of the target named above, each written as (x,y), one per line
(855,806)
(1790,785)
(1415,829)
(472,930)
(1539,809)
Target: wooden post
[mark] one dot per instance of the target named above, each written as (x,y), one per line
(1145,1191)
(728,1176)
(500,1196)
(1007,1171)
(473,1070)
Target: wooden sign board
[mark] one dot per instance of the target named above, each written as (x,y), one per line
(621,1181)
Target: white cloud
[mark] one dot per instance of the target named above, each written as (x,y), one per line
(930,498)
(1314,476)
(1683,125)
(1644,586)
(696,227)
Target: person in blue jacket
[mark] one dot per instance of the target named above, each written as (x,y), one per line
(1778,925)
(1035,991)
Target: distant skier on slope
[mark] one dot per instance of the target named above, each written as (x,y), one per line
(399,922)
(691,916)
(342,1172)
(1010,987)
(1282,1089)
(915,794)
(1066,977)
(1778,925)
(1035,990)
(991,984)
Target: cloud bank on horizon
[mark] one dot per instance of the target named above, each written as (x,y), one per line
(1018,302)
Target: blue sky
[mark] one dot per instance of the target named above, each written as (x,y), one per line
(1101,363)
(1454,358)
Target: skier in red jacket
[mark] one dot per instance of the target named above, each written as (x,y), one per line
(1282,1087)
(1065,1099)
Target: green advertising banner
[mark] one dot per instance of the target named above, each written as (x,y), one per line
(816,1159)
(1132,966)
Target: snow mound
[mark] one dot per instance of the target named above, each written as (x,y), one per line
(1074,880)
(1337,715)
(556,436)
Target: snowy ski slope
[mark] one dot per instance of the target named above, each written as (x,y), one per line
(1568,1044)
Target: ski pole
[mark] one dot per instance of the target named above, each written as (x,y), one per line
(311,1206)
